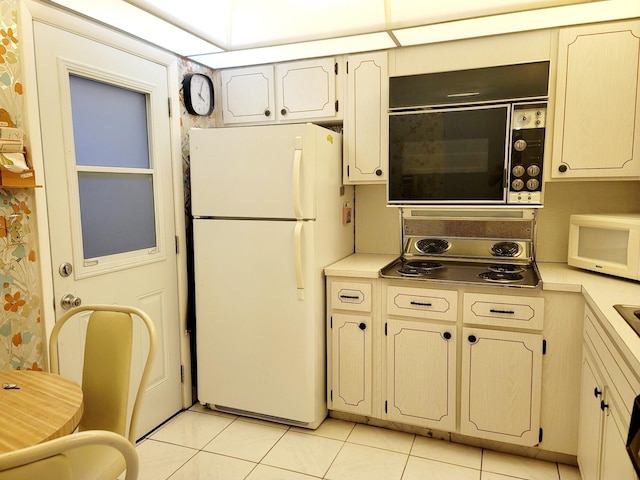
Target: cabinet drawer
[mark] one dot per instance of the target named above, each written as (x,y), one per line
(423,303)
(351,296)
(504,311)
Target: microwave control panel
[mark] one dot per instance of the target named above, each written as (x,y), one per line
(526,156)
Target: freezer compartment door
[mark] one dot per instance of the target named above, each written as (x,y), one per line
(259,172)
(260,335)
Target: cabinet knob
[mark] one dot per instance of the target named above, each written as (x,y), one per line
(562,168)
(472,339)
(603,406)
(379,172)
(447,335)
(267,113)
(283,111)
(596,392)
(362,326)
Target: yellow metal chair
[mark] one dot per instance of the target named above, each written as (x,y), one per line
(56,459)
(106,375)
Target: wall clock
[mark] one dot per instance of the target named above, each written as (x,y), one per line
(198,94)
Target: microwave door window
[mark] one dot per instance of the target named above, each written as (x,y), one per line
(613,250)
(448,156)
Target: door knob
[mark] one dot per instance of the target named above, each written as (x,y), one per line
(70,301)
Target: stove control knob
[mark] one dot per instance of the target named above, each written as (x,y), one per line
(518,171)
(533,170)
(533,184)
(520,145)
(517,184)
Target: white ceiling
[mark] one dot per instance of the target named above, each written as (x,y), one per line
(222,33)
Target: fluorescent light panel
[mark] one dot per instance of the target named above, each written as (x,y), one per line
(598,11)
(319,48)
(140,24)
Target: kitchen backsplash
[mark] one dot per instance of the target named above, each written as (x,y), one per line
(378,226)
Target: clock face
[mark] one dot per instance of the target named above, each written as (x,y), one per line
(198,94)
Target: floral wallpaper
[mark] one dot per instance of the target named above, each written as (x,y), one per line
(21,331)
(188,121)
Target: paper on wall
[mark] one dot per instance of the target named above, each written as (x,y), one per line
(14,162)
(11,150)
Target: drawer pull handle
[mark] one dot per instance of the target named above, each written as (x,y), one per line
(603,406)
(420,304)
(350,297)
(447,335)
(362,326)
(506,312)
(596,392)
(472,339)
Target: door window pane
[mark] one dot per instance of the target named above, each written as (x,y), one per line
(117,213)
(109,124)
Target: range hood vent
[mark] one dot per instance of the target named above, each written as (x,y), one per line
(479,85)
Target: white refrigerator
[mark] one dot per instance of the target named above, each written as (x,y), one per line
(269,213)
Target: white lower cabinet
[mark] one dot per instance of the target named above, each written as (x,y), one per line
(351,370)
(501,385)
(421,373)
(452,360)
(351,307)
(608,385)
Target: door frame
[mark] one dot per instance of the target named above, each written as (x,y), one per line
(28,11)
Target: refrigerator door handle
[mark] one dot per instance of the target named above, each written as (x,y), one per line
(297,161)
(297,252)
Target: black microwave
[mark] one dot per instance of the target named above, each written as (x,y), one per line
(468,147)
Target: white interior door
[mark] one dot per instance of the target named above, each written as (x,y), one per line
(107,154)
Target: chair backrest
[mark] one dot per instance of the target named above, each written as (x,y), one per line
(53,460)
(107,366)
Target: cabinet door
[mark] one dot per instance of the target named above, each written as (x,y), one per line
(306,89)
(596,131)
(366,122)
(590,419)
(501,385)
(247,95)
(421,374)
(351,363)
(615,460)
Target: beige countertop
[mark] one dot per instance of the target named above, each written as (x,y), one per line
(362,265)
(601,292)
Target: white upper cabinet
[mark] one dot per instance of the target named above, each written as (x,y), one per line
(597,132)
(285,92)
(306,90)
(366,121)
(248,95)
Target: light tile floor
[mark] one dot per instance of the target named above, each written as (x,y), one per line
(201,444)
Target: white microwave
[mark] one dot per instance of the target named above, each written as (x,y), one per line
(606,243)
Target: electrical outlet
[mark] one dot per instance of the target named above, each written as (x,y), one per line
(14,232)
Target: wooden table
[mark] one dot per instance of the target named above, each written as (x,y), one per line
(45,406)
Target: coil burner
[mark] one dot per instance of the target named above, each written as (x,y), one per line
(433,245)
(417,268)
(505,249)
(505,268)
(501,277)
